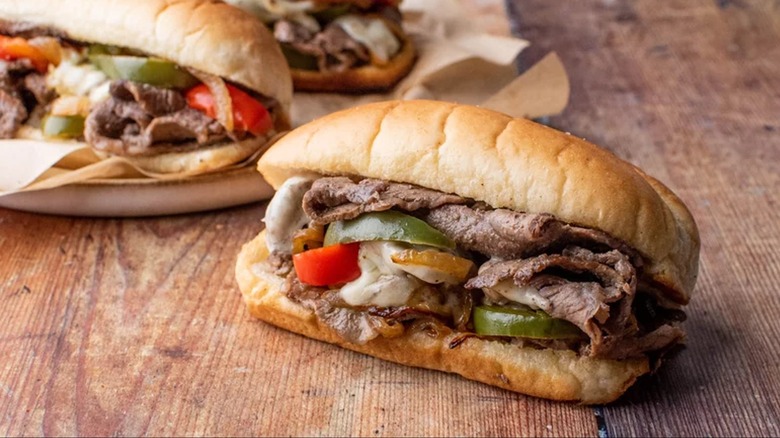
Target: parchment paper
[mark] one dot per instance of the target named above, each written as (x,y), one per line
(456,62)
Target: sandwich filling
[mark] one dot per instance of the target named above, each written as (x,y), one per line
(120,101)
(376,258)
(331,37)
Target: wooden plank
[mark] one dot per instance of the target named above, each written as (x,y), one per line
(129,327)
(136,327)
(689,91)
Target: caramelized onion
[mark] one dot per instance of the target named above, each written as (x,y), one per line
(49,47)
(223,105)
(70,106)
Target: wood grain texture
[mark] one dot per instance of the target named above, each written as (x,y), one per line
(690,91)
(136,327)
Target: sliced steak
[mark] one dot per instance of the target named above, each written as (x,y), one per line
(153,100)
(12,114)
(281,264)
(140,119)
(22,91)
(35,83)
(508,234)
(333,48)
(356,326)
(473,226)
(594,291)
(353,325)
(12,72)
(340,198)
(341,50)
(499,233)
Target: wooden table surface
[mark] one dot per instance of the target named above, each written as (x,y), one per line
(128,327)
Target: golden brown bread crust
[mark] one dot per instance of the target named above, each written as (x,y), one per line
(207,35)
(506,162)
(553,374)
(362,79)
(184,163)
(197,161)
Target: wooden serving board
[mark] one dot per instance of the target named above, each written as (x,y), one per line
(136,327)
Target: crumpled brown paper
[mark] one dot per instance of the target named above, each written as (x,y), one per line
(456,62)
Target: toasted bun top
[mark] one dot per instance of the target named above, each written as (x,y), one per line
(505,162)
(207,35)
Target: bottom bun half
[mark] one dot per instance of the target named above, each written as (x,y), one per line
(358,80)
(552,374)
(197,161)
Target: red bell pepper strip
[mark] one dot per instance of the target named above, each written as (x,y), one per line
(13,48)
(248,114)
(330,265)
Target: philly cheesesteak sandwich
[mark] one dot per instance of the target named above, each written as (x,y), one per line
(459,239)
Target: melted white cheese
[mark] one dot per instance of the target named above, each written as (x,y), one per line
(284,215)
(526,295)
(381,283)
(373,33)
(270,11)
(74,77)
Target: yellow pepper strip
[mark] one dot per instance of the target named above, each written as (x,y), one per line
(308,238)
(456,267)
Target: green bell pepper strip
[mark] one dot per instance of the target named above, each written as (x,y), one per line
(63,126)
(298,60)
(386,225)
(152,71)
(102,49)
(525,323)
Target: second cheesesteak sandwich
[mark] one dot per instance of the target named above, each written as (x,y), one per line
(348,46)
(459,239)
(173,86)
